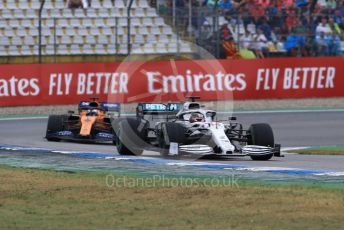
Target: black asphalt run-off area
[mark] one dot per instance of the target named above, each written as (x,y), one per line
(291,129)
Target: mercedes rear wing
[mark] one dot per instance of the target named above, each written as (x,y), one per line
(157,109)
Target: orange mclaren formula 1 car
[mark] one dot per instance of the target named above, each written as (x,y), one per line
(91,124)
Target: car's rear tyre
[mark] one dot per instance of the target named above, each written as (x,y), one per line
(130,136)
(170,132)
(55,124)
(261,134)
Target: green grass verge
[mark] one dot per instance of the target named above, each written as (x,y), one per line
(44,199)
(326,150)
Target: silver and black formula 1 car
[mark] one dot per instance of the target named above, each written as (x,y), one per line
(190,129)
(91,124)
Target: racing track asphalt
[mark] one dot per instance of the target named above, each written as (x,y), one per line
(292,129)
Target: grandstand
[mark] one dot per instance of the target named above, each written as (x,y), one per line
(100,29)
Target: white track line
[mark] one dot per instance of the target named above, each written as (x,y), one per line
(229,112)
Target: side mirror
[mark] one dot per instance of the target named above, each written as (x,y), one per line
(232,118)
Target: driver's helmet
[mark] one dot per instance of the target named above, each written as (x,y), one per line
(92,112)
(196,117)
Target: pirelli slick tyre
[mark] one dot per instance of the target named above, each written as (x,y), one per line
(261,134)
(170,132)
(130,136)
(55,124)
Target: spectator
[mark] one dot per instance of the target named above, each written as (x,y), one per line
(295,43)
(226,33)
(336,17)
(246,54)
(235,19)
(331,4)
(292,20)
(340,7)
(230,49)
(301,3)
(288,3)
(263,3)
(275,35)
(334,27)
(256,11)
(291,45)
(74,4)
(279,3)
(235,25)
(303,7)
(272,10)
(333,45)
(206,33)
(211,3)
(322,41)
(239,3)
(307,23)
(322,3)
(251,27)
(198,19)
(337,36)
(324,27)
(277,21)
(266,28)
(312,5)
(246,40)
(341,24)
(246,50)
(259,44)
(225,5)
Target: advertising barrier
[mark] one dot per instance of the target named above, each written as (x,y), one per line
(47,84)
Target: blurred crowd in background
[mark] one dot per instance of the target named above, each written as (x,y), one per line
(260,28)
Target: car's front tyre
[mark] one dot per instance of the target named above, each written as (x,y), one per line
(55,124)
(130,136)
(170,132)
(261,134)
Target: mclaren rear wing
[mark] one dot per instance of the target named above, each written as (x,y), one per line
(105,106)
(111,107)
